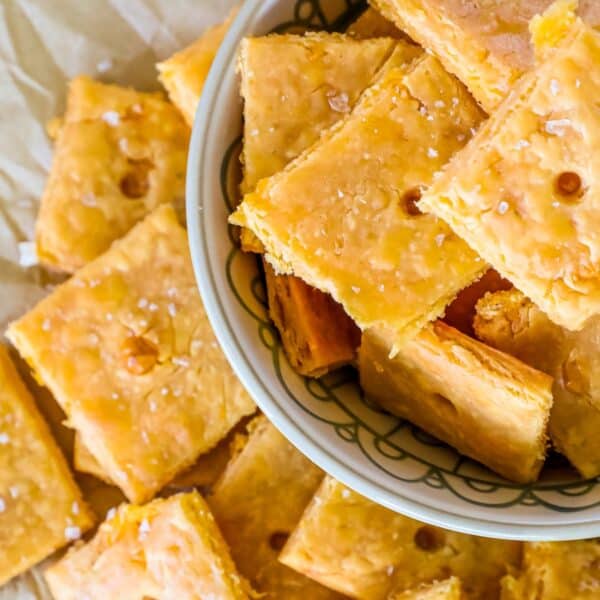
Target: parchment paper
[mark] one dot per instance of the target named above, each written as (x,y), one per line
(43,44)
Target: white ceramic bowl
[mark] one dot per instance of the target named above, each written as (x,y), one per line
(379,456)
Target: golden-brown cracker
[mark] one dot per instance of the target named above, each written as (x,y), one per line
(128,351)
(119,154)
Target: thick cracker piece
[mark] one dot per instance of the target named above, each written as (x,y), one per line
(485,44)
(118,155)
(128,351)
(183,74)
(316,333)
(367,551)
(294,87)
(372,24)
(41,507)
(449,589)
(524,193)
(342,215)
(556,571)
(258,502)
(166,549)
(512,323)
(488,405)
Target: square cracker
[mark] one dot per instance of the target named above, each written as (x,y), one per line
(184,73)
(166,549)
(488,405)
(556,571)
(119,154)
(449,589)
(504,193)
(485,44)
(512,323)
(342,216)
(41,507)
(367,551)
(133,360)
(294,87)
(258,502)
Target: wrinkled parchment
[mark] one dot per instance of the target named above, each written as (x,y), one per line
(43,44)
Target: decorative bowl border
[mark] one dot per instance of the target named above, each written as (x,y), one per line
(498,508)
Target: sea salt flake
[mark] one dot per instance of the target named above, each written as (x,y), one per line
(27,254)
(502,207)
(557,126)
(72,532)
(338,102)
(106,64)
(111,117)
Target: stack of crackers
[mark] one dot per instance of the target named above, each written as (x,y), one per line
(424,207)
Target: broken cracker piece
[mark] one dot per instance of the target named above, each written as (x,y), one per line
(347,231)
(486,404)
(166,549)
(41,507)
(367,551)
(556,571)
(184,73)
(258,502)
(133,360)
(512,323)
(119,154)
(316,333)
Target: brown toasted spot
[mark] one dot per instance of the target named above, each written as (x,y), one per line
(136,183)
(139,354)
(429,538)
(409,201)
(568,183)
(278,539)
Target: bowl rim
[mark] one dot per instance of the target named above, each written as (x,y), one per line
(196,197)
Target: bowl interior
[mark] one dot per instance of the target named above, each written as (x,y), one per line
(330,419)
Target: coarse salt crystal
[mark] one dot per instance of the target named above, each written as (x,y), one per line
(390,570)
(439,239)
(502,207)
(152,307)
(338,102)
(171,309)
(439,104)
(2,505)
(13,490)
(4,439)
(557,126)
(72,532)
(111,117)
(432,152)
(46,325)
(345,493)
(75,508)
(27,254)
(142,303)
(554,87)
(152,406)
(172,292)
(522,144)
(106,64)
(110,513)
(355,289)
(144,528)
(181,361)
